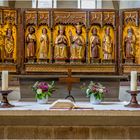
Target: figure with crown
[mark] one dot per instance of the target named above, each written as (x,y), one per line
(77,49)
(61,45)
(107,45)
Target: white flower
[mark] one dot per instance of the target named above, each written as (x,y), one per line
(87,91)
(39,91)
(100,90)
(35,85)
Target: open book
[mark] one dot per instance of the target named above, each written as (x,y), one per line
(67,104)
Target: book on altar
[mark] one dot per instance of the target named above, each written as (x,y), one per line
(67,104)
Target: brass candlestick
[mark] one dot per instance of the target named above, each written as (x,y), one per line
(4,102)
(133,102)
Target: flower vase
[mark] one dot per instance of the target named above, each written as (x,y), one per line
(42,101)
(93,100)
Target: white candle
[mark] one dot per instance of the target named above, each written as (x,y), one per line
(133,85)
(4,80)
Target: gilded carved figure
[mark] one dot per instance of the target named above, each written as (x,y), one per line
(61,44)
(9,44)
(130,44)
(44,45)
(94,45)
(31,43)
(107,45)
(1,45)
(77,49)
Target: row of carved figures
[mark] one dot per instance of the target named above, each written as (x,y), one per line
(76,51)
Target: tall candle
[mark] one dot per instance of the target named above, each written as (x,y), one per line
(4,80)
(133,84)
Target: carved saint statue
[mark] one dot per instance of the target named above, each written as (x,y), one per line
(77,49)
(9,44)
(44,45)
(1,45)
(129,44)
(31,43)
(107,45)
(94,44)
(61,42)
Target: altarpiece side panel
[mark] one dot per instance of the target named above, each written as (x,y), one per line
(8,39)
(130,49)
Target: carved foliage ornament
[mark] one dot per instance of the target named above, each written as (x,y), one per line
(96,18)
(69,18)
(128,69)
(131,18)
(10,17)
(37,68)
(102,18)
(43,18)
(31,18)
(109,18)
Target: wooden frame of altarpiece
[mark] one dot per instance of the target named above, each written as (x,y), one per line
(103,20)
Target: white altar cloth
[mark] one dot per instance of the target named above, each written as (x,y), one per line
(102,106)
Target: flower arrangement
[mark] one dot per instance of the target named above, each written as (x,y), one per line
(96,89)
(43,89)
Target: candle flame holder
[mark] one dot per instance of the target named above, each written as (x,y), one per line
(133,102)
(5,103)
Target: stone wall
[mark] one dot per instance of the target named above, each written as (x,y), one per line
(73,132)
(61,88)
(23,4)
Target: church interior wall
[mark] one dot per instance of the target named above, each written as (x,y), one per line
(23,4)
(124,4)
(67,4)
(79,95)
(107,4)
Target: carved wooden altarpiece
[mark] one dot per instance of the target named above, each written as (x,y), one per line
(55,40)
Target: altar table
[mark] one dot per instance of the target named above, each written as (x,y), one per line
(109,120)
